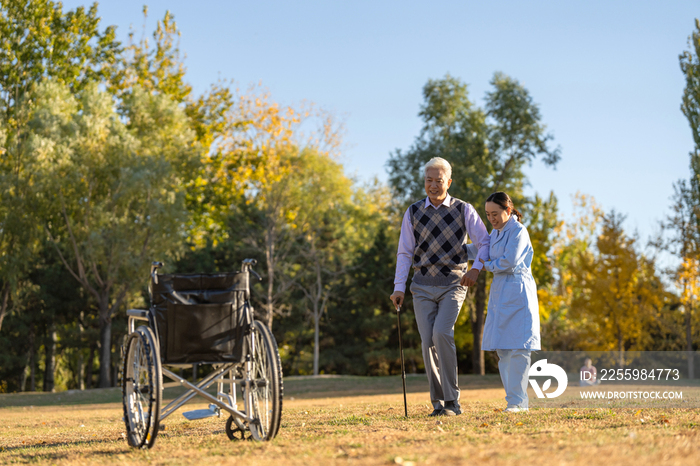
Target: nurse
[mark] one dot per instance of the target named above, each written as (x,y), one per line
(512,327)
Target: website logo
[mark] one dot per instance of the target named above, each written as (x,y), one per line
(542,369)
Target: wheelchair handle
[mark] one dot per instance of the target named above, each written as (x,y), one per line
(248,267)
(155,265)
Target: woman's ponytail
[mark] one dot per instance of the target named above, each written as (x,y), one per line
(517,214)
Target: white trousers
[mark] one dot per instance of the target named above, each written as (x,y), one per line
(514,364)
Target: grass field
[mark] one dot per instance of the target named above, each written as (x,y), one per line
(355,420)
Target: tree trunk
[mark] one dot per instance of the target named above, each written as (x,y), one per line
(269,310)
(81,371)
(620,350)
(81,360)
(90,366)
(317,318)
(689,341)
(32,371)
(477,321)
(270,259)
(105,345)
(30,363)
(318,309)
(115,369)
(5,300)
(50,360)
(23,378)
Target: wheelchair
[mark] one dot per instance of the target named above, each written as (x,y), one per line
(203,319)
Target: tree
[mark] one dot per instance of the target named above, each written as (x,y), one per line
(116,188)
(249,179)
(690,293)
(577,236)
(543,223)
(679,236)
(157,66)
(37,41)
(690,106)
(332,233)
(360,334)
(687,202)
(487,149)
(617,289)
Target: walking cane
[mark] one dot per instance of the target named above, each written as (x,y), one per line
(403,368)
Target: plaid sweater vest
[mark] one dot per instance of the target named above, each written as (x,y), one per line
(440,255)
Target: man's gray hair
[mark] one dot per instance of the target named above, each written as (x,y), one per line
(438,162)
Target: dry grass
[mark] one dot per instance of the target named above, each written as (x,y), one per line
(358,421)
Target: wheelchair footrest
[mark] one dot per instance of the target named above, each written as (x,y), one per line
(202,413)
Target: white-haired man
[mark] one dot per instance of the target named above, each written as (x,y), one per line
(433,240)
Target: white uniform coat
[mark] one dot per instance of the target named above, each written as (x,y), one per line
(513,316)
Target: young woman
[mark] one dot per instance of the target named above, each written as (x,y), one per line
(512,325)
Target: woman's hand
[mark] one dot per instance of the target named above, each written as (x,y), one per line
(482,260)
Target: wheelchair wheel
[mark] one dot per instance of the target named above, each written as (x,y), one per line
(265,393)
(141,388)
(236,430)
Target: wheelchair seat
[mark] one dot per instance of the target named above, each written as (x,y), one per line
(200,317)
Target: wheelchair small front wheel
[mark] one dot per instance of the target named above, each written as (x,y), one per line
(264,391)
(141,388)
(236,430)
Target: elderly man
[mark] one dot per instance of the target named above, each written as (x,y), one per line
(433,239)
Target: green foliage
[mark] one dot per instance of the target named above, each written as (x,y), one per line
(108,160)
(516,134)
(541,218)
(118,185)
(361,328)
(157,67)
(690,66)
(38,41)
(487,149)
(690,106)
(453,129)
(684,221)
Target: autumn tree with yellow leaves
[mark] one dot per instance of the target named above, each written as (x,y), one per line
(251,184)
(570,238)
(616,289)
(688,280)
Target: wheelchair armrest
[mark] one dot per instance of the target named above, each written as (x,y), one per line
(139,314)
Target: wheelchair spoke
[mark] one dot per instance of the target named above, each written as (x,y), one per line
(264,397)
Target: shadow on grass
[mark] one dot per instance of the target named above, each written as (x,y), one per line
(299,387)
(326,386)
(35,449)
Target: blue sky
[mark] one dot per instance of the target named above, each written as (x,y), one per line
(605,75)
